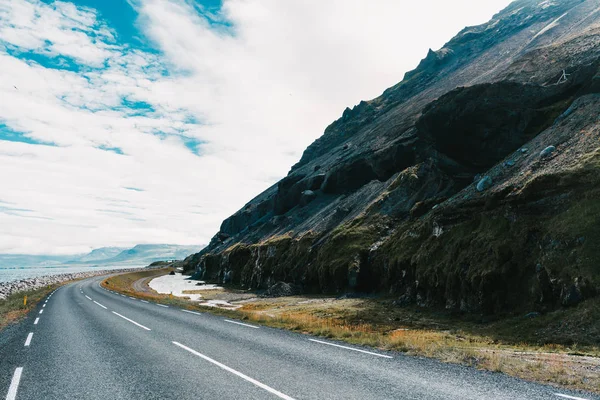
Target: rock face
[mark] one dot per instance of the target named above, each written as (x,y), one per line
(387,199)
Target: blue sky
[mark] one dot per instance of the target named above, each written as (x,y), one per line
(150,121)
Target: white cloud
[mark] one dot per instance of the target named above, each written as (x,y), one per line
(256,93)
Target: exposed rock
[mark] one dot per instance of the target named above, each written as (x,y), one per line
(307,197)
(532,315)
(281,289)
(484,184)
(547,151)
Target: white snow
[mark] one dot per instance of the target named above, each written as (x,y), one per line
(176,284)
(550,26)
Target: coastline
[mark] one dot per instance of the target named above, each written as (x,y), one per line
(22,285)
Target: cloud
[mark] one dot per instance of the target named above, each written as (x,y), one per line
(109,144)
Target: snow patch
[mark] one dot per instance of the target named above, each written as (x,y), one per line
(176,284)
(550,26)
(546,4)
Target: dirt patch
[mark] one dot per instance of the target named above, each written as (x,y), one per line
(141,285)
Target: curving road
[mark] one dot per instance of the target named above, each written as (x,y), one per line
(85,342)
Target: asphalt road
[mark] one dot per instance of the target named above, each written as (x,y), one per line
(85,342)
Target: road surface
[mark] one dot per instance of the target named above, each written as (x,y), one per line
(85,342)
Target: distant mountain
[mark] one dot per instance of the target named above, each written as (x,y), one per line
(149,253)
(24,260)
(143,254)
(102,253)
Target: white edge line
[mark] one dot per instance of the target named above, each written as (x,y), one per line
(88,297)
(100,305)
(36,321)
(41,311)
(233,371)
(144,301)
(132,321)
(162,305)
(14,384)
(44,306)
(191,312)
(350,348)
(239,323)
(132,298)
(566,396)
(28,340)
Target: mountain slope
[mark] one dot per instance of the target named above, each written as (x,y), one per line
(471,184)
(139,255)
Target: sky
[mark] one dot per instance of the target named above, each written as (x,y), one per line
(150,121)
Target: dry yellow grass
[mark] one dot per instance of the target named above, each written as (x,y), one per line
(12,308)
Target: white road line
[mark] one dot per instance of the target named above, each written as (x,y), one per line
(100,305)
(28,340)
(191,312)
(239,323)
(44,306)
(162,305)
(41,311)
(123,295)
(233,371)
(144,301)
(88,297)
(132,298)
(565,396)
(350,348)
(14,384)
(36,321)
(132,321)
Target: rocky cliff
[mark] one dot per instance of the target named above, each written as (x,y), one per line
(472,184)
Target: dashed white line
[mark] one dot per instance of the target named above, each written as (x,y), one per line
(162,305)
(88,297)
(14,384)
(44,306)
(566,396)
(239,323)
(100,305)
(36,321)
(28,340)
(41,311)
(144,301)
(233,371)
(191,312)
(350,348)
(132,298)
(132,321)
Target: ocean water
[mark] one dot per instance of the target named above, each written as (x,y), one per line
(8,274)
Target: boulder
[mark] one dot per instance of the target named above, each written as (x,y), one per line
(281,289)
(484,184)
(547,151)
(307,197)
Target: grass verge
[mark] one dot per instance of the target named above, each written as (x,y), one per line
(12,308)
(516,346)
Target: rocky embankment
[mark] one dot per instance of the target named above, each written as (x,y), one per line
(470,185)
(9,288)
